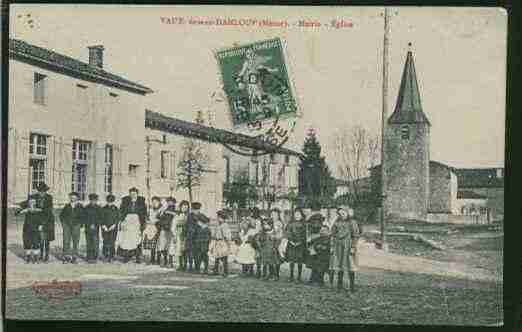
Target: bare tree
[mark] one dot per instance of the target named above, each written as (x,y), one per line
(356,151)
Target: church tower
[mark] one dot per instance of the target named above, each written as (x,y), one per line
(407,151)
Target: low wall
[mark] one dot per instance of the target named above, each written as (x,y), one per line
(458,219)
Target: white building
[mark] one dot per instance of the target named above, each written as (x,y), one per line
(77,127)
(274,170)
(69,125)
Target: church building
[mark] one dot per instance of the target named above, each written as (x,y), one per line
(418,188)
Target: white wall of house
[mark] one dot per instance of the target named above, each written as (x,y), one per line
(73,109)
(163,184)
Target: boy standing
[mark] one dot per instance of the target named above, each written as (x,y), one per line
(111,217)
(71,218)
(93,219)
(201,242)
(222,238)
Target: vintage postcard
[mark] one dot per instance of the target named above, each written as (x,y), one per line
(256,164)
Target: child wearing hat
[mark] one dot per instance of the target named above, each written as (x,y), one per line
(31,229)
(111,217)
(221,248)
(93,218)
(71,218)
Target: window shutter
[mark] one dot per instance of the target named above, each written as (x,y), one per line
(172,166)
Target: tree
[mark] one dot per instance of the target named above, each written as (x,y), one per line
(356,151)
(316,183)
(192,164)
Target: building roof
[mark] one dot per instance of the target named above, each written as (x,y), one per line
(408,108)
(432,163)
(158,121)
(480,177)
(467,194)
(51,60)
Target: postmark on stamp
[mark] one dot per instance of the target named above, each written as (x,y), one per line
(255,81)
(257,87)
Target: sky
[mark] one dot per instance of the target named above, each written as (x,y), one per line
(459,54)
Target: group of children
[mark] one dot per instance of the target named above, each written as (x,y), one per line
(183,237)
(321,248)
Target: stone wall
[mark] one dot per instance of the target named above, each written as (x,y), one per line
(407,171)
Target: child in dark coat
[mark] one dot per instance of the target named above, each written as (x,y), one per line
(201,242)
(93,218)
(319,260)
(31,229)
(111,217)
(267,243)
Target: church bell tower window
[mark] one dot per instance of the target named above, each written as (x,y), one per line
(405,132)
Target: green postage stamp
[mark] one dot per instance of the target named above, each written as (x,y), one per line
(255,80)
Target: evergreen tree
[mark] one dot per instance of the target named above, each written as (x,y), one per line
(316,183)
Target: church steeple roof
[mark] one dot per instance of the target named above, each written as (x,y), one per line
(408,108)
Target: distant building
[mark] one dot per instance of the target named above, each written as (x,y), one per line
(166,136)
(418,188)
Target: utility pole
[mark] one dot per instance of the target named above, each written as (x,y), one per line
(386,45)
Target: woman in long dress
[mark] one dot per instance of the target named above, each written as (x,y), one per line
(134,214)
(344,234)
(150,234)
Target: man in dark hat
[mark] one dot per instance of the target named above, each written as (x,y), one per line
(133,204)
(44,201)
(93,218)
(71,218)
(191,229)
(111,217)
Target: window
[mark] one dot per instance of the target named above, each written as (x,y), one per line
(38,145)
(499,173)
(39,88)
(37,159)
(108,168)
(80,153)
(133,170)
(164,160)
(405,132)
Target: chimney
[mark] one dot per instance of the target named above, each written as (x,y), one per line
(96,55)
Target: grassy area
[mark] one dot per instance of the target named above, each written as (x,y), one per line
(382,297)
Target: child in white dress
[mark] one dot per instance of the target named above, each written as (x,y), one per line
(246,255)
